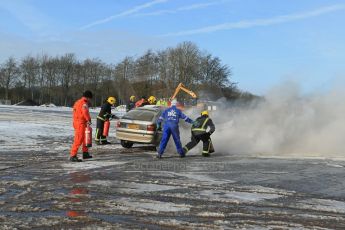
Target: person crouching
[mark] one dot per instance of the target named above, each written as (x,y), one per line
(199,133)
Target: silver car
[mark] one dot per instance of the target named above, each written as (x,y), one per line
(139,126)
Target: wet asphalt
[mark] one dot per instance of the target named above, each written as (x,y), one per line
(130,189)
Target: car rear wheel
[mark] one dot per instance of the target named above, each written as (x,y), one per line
(126,144)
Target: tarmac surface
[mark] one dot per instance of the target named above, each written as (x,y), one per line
(130,189)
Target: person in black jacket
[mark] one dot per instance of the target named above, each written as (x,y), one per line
(104,115)
(200,133)
(131,104)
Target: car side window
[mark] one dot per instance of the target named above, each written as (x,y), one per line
(158,115)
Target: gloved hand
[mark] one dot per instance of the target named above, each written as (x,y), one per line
(195,123)
(89,123)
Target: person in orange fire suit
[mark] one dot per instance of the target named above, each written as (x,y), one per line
(81,118)
(142,102)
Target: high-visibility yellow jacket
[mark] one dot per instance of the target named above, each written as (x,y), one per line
(201,124)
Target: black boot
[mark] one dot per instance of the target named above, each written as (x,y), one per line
(205,154)
(75,159)
(98,142)
(86,156)
(105,142)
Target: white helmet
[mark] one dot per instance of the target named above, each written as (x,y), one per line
(174,102)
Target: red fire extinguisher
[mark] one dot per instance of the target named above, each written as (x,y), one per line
(106,128)
(88,136)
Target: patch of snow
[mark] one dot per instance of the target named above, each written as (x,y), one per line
(133,187)
(20,183)
(262,189)
(224,195)
(152,205)
(86,165)
(321,217)
(211,214)
(111,146)
(334,165)
(139,187)
(36,128)
(35,108)
(62,147)
(24,129)
(202,178)
(322,205)
(48,105)
(179,224)
(300,157)
(102,182)
(173,222)
(2,191)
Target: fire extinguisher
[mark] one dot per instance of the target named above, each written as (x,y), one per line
(106,128)
(88,136)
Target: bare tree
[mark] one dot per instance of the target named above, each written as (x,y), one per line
(49,72)
(66,67)
(213,72)
(188,62)
(61,79)
(9,73)
(125,78)
(30,70)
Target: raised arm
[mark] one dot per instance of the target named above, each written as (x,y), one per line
(187,119)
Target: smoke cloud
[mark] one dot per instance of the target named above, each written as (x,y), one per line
(284,123)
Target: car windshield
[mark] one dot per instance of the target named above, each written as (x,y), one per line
(140,114)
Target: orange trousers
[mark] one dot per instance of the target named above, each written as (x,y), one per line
(79,139)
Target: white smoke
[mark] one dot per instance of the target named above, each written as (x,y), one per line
(285,122)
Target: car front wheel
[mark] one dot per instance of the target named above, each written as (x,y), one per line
(126,144)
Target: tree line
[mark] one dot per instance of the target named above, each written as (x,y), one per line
(62,79)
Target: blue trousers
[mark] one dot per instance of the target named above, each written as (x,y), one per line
(168,130)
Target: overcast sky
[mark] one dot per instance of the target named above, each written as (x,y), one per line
(264,41)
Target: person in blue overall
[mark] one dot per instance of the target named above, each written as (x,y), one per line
(171,117)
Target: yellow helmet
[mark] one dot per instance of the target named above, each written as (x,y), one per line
(205,112)
(111,100)
(132,98)
(151,100)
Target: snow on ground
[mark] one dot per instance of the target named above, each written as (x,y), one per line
(29,128)
(322,205)
(22,136)
(72,167)
(145,205)
(140,187)
(128,189)
(229,196)
(200,178)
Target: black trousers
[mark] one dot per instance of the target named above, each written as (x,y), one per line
(207,146)
(99,131)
